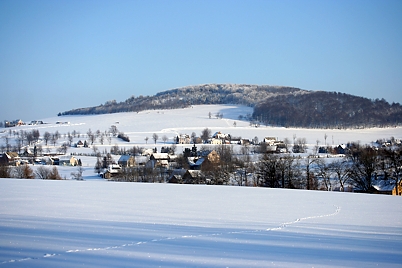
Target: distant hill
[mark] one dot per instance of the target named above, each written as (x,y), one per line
(319,109)
(274,105)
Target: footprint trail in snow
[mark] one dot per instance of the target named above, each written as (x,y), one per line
(71,251)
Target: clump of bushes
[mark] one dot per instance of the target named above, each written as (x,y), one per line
(123,136)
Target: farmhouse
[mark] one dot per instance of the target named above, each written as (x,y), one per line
(126,161)
(112,171)
(10,159)
(183,139)
(215,141)
(79,144)
(68,161)
(385,187)
(193,177)
(158,160)
(220,135)
(176,176)
(14,123)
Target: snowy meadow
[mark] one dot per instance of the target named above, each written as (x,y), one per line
(109,224)
(99,223)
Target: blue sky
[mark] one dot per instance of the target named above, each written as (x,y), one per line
(60,55)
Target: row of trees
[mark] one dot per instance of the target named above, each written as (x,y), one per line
(319,109)
(26,172)
(359,170)
(22,138)
(186,96)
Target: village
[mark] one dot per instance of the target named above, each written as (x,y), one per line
(218,158)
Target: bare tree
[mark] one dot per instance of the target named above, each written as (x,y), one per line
(193,137)
(113,130)
(267,171)
(309,164)
(54,174)
(70,139)
(340,169)
(57,134)
(5,171)
(39,149)
(20,143)
(30,137)
(54,139)
(46,137)
(92,138)
(173,148)
(324,172)
(89,132)
(391,165)
(245,165)
(23,172)
(98,164)
(205,135)
(146,140)
(7,142)
(78,175)
(364,164)
(95,150)
(316,147)
(164,138)
(102,138)
(63,148)
(286,141)
(155,137)
(43,173)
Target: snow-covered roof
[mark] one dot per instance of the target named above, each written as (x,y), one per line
(124,158)
(383,185)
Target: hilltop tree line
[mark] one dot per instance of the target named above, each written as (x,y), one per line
(327,110)
(279,106)
(187,96)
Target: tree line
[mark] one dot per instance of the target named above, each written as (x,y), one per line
(278,106)
(359,170)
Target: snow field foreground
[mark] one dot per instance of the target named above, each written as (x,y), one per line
(111,224)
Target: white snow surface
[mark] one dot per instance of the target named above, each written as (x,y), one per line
(194,119)
(97,223)
(111,224)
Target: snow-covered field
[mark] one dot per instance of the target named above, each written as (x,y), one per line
(96,223)
(110,224)
(185,121)
(170,123)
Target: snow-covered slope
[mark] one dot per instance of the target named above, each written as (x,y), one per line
(169,123)
(185,121)
(95,223)
(111,224)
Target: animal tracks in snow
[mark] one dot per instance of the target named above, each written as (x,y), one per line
(283,225)
(72,251)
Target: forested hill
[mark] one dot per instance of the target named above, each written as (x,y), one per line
(319,109)
(274,105)
(190,95)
